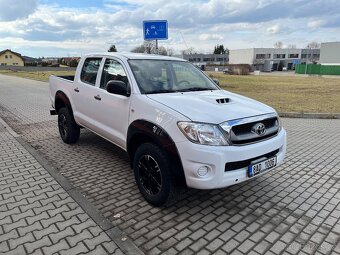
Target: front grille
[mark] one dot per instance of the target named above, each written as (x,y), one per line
(245,128)
(244,134)
(230,166)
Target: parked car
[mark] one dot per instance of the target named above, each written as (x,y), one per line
(177,125)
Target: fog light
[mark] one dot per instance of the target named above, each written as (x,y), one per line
(202,171)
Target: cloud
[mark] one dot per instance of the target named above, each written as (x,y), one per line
(199,24)
(207,37)
(314,24)
(275,29)
(16,9)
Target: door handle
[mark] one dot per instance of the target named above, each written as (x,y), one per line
(76,89)
(97,97)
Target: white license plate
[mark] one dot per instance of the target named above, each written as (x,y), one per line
(259,167)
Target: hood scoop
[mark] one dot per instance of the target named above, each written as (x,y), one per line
(223,100)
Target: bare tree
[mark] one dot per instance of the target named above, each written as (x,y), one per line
(170,51)
(146,47)
(278,45)
(149,47)
(162,51)
(189,51)
(313,45)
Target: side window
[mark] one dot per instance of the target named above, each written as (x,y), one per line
(90,69)
(112,70)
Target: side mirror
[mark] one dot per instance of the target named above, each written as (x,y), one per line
(117,87)
(216,81)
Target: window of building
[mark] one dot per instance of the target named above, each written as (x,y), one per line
(10,56)
(90,69)
(293,55)
(208,59)
(6,56)
(303,55)
(262,56)
(194,59)
(316,56)
(280,56)
(113,70)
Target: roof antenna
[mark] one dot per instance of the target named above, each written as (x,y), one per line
(186,45)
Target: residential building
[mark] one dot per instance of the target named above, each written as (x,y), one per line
(11,58)
(330,53)
(271,59)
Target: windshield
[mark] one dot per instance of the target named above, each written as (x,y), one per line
(167,76)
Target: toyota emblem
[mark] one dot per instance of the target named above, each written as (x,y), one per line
(259,129)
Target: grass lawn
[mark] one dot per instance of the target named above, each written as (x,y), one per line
(284,93)
(287,93)
(39,75)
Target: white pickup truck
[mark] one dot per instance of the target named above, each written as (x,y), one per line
(177,125)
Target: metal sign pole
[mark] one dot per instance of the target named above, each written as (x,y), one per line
(157,47)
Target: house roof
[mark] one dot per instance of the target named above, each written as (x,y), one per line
(13,52)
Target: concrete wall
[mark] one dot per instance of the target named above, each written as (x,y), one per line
(330,53)
(243,56)
(11,60)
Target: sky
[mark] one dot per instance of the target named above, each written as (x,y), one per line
(75,27)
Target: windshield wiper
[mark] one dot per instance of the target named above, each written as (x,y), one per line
(194,89)
(161,91)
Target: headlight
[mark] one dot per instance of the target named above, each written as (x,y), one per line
(279,123)
(201,133)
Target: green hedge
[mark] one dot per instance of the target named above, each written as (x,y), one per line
(317,69)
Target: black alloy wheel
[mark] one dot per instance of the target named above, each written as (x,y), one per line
(68,128)
(149,174)
(151,167)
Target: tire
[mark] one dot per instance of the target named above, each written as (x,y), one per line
(152,173)
(68,129)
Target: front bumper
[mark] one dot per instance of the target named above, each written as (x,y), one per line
(194,156)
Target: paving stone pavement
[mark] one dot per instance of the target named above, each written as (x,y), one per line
(37,216)
(292,210)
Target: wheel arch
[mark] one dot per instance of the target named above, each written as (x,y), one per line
(61,100)
(142,131)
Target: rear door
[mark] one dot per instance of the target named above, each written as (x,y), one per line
(85,92)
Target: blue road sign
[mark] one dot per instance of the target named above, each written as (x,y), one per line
(296,61)
(155,29)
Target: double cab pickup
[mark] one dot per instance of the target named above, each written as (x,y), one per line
(178,126)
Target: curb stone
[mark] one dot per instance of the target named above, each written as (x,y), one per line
(309,115)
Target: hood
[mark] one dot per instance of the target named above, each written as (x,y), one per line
(213,106)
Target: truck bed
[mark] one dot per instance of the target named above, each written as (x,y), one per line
(60,83)
(66,77)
